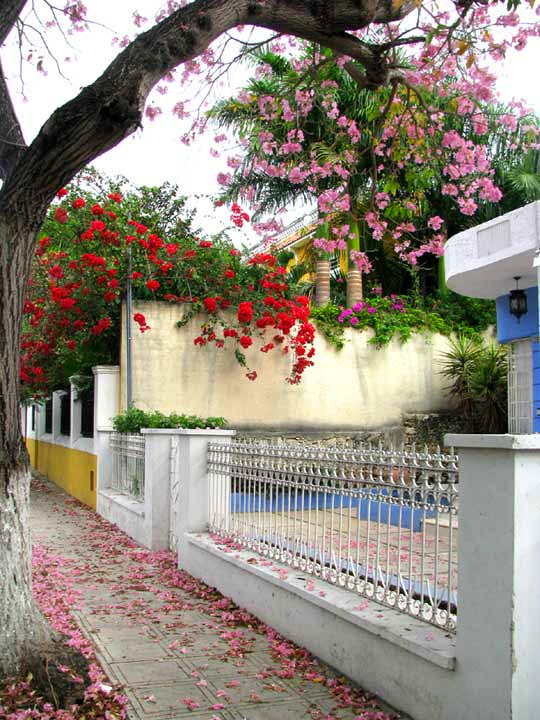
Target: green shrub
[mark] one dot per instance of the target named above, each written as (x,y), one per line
(478,375)
(326,320)
(132,420)
(466,315)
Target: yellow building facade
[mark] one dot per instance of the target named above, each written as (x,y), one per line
(58,458)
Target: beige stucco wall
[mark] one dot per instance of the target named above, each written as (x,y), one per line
(355,388)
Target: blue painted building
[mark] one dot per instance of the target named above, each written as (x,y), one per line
(490,261)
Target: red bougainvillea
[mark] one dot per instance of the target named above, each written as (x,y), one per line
(72,312)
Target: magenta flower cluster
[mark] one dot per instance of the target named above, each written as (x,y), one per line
(350,315)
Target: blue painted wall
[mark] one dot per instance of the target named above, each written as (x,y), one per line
(508,328)
(376,509)
(536,386)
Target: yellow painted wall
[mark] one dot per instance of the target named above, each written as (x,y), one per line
(303,251)
(73,470)
(31,446)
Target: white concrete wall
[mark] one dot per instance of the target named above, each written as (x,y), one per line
(355,388)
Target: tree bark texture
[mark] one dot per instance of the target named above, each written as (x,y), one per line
(354,286)
(21,624)
(97,119)
(322,282)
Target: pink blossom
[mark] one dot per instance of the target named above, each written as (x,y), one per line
(224,179)
(435,222)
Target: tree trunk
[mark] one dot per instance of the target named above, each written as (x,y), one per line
(24,629)
(322,287)
(22,625)
(27,642)
(354,276)
(354,286)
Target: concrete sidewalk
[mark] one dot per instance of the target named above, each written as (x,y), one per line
(178,648)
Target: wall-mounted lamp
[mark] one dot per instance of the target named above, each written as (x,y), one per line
(517,301)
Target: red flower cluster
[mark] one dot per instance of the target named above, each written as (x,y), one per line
(270,308)
(74,296)
(210,304)
(245,312)
(61,215)
(141,320)
(238,216)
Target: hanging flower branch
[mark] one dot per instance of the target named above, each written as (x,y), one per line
(72,312)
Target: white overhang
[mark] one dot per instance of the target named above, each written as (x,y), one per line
(484,260)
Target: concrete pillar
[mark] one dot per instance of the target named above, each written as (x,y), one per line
(106,387)
(192,511)
(56,412)
(157,471)
(499,574)
(106,393)
(175,473)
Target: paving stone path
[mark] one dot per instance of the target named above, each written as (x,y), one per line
(178,648)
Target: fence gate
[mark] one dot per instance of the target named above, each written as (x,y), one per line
(174,489)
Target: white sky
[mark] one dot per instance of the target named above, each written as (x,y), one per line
(155,154)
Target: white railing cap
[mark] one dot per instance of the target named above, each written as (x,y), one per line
(495,442)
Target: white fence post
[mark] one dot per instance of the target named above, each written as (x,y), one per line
(193,497)
(190,472)
(106,405)
(56,413)
(157,487)
(499,575)
(75,414)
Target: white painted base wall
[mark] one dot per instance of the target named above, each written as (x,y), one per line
(126,514)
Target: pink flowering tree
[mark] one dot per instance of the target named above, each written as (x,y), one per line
(431,50)
(389,167)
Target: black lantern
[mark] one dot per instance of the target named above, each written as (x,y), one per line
(517,301)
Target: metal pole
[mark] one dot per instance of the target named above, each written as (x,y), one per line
(128,330)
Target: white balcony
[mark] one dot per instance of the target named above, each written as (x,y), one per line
(483,261)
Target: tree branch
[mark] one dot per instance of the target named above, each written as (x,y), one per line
(12,143)
(110,109)
(9,12)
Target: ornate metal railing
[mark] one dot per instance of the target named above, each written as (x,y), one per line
(381,522)
(127,471)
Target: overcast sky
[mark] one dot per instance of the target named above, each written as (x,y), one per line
(155,153)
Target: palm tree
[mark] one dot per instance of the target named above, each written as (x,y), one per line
(321,143)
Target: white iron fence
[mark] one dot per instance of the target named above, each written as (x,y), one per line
(379,522)
(127,470)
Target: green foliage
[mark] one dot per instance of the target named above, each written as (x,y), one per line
(478,375)
(390,317)
(132,420)
(326,320)
(465,315)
